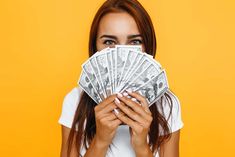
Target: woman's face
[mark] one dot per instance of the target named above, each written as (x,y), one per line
(118,29)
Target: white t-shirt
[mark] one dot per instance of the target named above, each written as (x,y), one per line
(122,146)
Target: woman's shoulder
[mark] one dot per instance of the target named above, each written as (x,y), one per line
(73,95)
(69,106)
(171,97)
(171,110)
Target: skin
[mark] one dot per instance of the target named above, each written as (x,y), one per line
(120,28)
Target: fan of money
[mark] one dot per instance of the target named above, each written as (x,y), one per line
(124,67)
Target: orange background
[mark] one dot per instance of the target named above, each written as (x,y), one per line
(43,44)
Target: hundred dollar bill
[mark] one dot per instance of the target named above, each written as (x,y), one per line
(131,58)
(154,88)
(103,70)
(96,71)
(122,53)
(91,74)
(87,86)
(110,69)
(113,51)
(138,60)
(140,66)
(139,69)
(148,72)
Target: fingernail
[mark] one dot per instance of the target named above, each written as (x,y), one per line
(129,90)
(116,111)
(134,99)
(119,95)
(128,96)
(116,101)
(125,94)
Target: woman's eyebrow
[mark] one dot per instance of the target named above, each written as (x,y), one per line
(109,36)
(134,36)
(114,37)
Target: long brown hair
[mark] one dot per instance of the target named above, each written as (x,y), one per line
(84,119)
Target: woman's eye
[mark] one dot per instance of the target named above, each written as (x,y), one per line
(136,42)
(108,42)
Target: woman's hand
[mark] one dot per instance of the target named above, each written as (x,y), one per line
(137,116)
(106,121)
(106,125)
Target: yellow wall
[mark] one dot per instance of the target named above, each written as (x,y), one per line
(43,44)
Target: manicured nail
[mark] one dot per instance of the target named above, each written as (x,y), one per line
(129,91)
(116,101)
(129,96)
(116,112)
(134,99)
(119,95)
(125,94)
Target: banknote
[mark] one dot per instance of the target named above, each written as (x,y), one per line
(103,70)
(136,61)
(121,57)
(91,74)
(144,69)
(110,69)
(113,52)
(87,86)
(132,55)
(98,77)
(144,74)
(154,88)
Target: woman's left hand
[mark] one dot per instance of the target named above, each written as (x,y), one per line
(137,116)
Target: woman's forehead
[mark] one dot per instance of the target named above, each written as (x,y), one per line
(118,24)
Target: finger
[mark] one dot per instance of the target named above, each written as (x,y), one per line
(130,113)
(106,109)
(105,102)
(116,110)
(135,106)
(108,117)
(140,98)
(128,121)
(116,122)
(135,100)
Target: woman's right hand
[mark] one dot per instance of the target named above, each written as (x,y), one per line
(106,121)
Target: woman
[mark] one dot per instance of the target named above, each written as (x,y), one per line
(147,132)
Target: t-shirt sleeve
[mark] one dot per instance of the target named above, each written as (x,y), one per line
(174,119)
(69,107)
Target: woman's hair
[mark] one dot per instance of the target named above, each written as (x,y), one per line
(84,127)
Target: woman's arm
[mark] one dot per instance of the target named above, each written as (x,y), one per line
(138,117)
(64,146)
(106,126)
(171,147)
(95,147)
